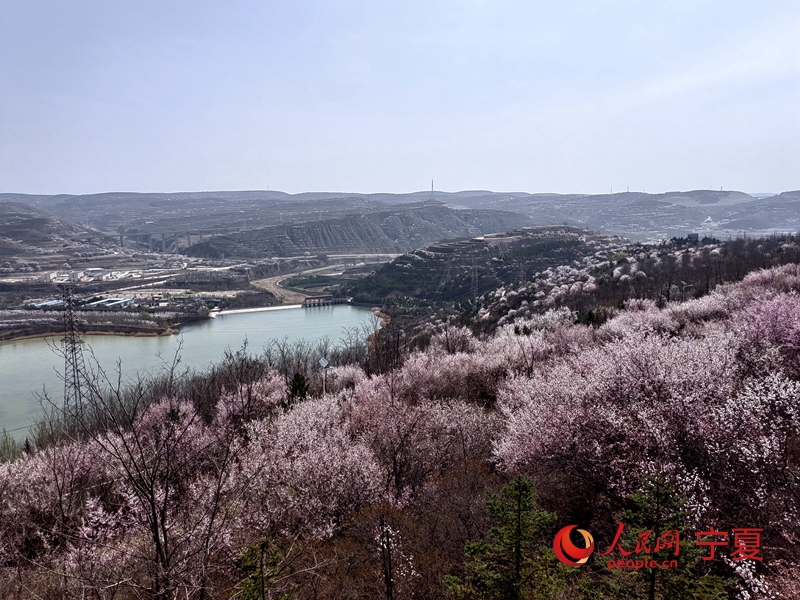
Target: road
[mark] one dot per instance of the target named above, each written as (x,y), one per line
(272,285)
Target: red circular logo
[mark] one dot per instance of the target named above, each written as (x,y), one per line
(567,552)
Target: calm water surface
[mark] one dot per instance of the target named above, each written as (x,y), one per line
(29,366)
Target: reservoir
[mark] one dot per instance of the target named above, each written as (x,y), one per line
(28,366)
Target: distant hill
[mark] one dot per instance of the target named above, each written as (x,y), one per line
(394,230)
(455,271)
(639,215)
(127,212)
(22,223)
(636,215)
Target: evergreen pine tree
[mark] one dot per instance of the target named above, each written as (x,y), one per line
(513,563)
(260,565)
(298,388)
(659,509)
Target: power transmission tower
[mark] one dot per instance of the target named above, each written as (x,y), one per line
(74,375)
(445,277)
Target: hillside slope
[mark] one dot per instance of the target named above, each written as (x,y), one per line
(398,229)
(26,225)
(639,215)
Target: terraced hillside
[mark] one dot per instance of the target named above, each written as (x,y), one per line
(459,270)
(131,213)
(24,229)
(393,230)
(638,215)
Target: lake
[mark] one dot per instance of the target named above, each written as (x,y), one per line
(29,366)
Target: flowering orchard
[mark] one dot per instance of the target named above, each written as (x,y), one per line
(687,416)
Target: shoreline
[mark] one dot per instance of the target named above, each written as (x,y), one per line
(33,336)
(385,319)
(173,328)
(238,311)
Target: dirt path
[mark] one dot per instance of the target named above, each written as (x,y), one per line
(272,285)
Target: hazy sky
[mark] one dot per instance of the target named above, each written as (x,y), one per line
(371,96)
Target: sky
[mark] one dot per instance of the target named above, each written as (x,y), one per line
(378,96)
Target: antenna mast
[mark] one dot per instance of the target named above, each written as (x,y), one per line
(73,356)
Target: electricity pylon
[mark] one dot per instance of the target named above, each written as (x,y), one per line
(74,370)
